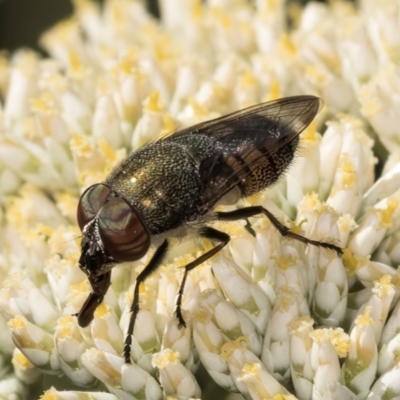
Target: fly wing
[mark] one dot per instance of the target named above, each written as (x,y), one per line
(253,147)
(294,113)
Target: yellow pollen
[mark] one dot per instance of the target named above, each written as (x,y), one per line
(76,65)
(288,44)
(222,17)
(107,150)
(274,90)
(17,323)
(301,322)
(383,287)
(385,280)
(153,102)
(45,230)
(180,262)
(229,348)
(66,203)
(310,136)
(168,124)
(285,262)
(348,171)
(386,214)
(311,200)
(49,396)
(248,78)
(280,396)
(319,335)
(81,146)
(197,11)
(199,111)
(44,103)
(340,341)
(365,319)
(101,311)
(165,358)
(315,75)
(20,360)
(81,287)
(66,324)
(353,262)
(250,369)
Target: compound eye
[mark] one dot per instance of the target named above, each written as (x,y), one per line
(91,202)
(122,231)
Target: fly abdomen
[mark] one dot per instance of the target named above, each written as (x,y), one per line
(251,161)
(268,169)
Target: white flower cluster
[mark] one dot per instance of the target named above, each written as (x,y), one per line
(269,317)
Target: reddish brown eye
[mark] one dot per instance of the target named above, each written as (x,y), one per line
(90,203)
(122,231)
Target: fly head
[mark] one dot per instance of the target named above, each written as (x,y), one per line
(112,232)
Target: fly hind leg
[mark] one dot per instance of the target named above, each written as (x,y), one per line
(247,212)
(211,234)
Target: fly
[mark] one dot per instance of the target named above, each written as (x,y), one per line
(170,187)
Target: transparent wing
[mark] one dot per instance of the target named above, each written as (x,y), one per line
(295,113)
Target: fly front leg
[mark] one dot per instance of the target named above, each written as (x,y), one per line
(154,263)
(248,212)
(211,234)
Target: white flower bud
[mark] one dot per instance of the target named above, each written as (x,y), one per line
(175,379)
(20,297)
(359,368)
(324,362)
(250,377)
(70,395)
(24,370)
(392,326)
(12,388)
(386,384)
(106,333)
(36,344)
(374,225)
(121,379)
(378,304)
(231,322)
(209,341)
(106,124)
(300,356)
(22,86)
(304,177)
(70,347)
(380,110)
(275,352)
(180,340)
(244,294)
(150,125)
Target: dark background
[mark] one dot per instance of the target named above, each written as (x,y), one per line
(22,21)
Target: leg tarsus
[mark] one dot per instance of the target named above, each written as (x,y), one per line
(208,233)
(179,316)
(252,211)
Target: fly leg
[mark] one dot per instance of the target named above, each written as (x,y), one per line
(148,270)
(208,233)
(247,212)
